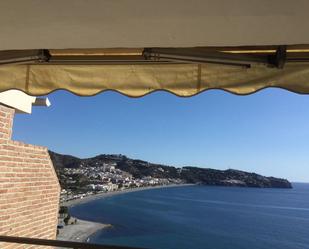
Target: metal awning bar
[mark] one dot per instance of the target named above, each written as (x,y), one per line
(275,56)
(59,243)
(201,55)
(23,56)
(97,52)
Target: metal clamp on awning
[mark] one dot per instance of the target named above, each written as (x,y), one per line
(279,58)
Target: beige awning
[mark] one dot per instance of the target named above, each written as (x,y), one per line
(76,32)
(34,24)
(138,80)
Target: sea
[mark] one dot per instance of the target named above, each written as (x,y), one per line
(203,217)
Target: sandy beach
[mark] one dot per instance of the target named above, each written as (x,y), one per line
(82,230)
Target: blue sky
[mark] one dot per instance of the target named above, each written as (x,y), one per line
(267,132)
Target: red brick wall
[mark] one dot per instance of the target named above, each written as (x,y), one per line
(29,188)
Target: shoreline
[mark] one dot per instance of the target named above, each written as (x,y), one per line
(81,231)
(86,199)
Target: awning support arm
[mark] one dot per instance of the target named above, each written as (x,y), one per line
(198,55)
(24,56)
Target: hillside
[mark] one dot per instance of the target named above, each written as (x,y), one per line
(139,169)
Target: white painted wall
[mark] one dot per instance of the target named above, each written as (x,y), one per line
(20,101)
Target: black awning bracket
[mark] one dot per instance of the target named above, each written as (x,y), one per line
(278,59)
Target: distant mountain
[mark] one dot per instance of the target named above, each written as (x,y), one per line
(139,169)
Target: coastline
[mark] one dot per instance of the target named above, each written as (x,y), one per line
(118,192)
(81,231)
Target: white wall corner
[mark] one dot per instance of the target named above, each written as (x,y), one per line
(21,102)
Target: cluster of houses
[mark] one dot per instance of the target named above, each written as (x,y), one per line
(86,180)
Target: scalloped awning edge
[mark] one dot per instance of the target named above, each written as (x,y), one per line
(138,80)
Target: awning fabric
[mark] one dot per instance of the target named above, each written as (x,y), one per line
(99,24)
(138,80)
(34,24)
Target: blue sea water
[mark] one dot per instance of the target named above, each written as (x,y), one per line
(203,217)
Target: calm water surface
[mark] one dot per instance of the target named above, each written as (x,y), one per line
(202,217)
